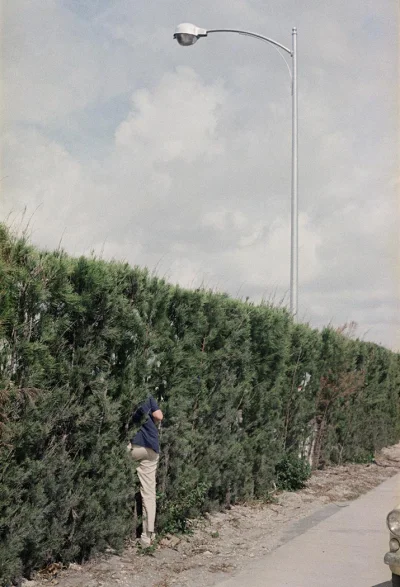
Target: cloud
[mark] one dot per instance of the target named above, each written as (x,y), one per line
(176,121)
(52,186)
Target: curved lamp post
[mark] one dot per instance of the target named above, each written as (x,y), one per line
(188,34)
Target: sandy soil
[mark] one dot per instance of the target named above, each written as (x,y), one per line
(224,543)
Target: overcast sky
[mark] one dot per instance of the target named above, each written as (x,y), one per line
(118,140)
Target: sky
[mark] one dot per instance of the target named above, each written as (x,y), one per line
(116,140)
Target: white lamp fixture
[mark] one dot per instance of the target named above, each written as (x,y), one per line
(188,34)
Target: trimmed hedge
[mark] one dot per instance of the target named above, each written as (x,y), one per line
(82,341)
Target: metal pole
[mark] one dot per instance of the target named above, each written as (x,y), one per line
(294,211)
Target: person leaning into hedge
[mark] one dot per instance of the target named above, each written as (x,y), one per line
(144,447)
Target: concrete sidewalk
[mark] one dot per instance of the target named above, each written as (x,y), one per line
(344,550)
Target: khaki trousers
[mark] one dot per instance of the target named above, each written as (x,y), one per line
(146,470)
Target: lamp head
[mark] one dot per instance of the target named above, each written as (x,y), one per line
(188,34)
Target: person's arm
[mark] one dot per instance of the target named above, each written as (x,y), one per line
(158,415)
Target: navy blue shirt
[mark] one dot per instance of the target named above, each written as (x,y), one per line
(148,434)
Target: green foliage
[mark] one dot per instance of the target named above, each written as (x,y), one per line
(175,515)
(83,341)
(292,472)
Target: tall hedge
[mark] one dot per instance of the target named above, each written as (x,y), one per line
(82,341)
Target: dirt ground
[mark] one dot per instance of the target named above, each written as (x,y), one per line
(222,544)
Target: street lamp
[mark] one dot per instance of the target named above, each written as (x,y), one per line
(188,34)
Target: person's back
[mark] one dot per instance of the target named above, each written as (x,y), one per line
(147,436)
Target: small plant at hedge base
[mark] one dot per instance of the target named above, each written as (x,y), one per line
(291,473)
(148,550)
(190,503)
(364,458)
